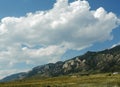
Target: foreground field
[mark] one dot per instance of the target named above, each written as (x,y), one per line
(98,80)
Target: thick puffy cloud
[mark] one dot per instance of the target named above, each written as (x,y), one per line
(44,36)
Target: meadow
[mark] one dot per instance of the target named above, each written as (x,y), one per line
(94,80)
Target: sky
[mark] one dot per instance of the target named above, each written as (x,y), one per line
(36,32)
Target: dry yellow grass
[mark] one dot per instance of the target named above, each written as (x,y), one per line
(98,80)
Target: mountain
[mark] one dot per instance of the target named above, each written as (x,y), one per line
(14,77)
(91,62)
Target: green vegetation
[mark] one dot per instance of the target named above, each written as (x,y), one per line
(95,80)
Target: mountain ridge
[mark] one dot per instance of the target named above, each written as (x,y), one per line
(104,61)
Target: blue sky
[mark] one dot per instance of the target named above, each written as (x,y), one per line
(21,7)
(35,32)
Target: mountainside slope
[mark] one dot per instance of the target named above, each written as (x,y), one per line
(91,62)
(17,76)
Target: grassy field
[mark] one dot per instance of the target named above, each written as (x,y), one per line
(97,80)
